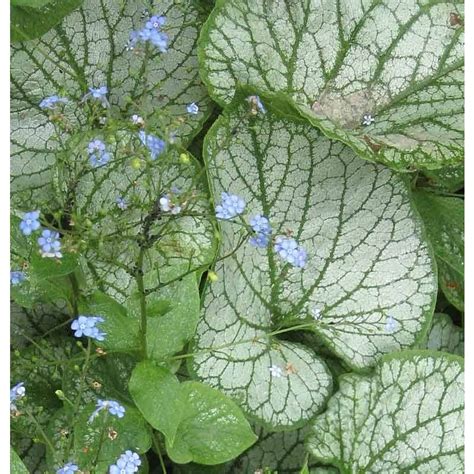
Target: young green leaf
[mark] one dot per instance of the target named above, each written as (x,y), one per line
(89,49)
(407,417)
(212,429)
(367,260)
(157,394)
(444,336)
(444,221)
(384,78)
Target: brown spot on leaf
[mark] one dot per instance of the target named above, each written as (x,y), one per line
(455,19)
(375,147)
(290,369)
(452,285)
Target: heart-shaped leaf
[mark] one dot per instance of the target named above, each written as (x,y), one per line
(401,65)
(89,49)
(444,336)
(444,221)
(157,394)
(212,429)
(407,417)
(367,262)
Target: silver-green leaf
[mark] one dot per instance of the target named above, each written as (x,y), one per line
(401,64)
(367,260)
(89,49)
(444,336)
(407,417)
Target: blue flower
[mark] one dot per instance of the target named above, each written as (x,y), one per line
(137,120)
(127,463)
(230,207)
(30,222)
(99,94)
(98,156)
(367,120)
(167,205)
(289,250)
(16,392)
(69,468)
(150,32)
(121,203)
(391,324)
(192,109)
(87,326)
(17,277)
(112,406)
(50,244)
(262,228)
(154,144)
(50,102)
(256,105)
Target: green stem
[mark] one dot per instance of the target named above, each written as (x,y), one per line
(101,441)
(40,429)
(141,291)
(158,451)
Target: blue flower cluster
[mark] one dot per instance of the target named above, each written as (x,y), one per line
(230,207)
(121,203)
(99,94)
(391,324)
(127,463)
(17,277)
(69,468)
(112,406)
(262,228)
(50,244)
(51,102)
(150,32)
(87,326)
(154,144)
(16,392)
(98,155)
(289,250)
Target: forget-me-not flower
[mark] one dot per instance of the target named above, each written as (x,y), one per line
(69,468)
(275,371)
(256,105)
(51,102)
(167,205)
(128,462)
(87,326)
(121,203)
(391,324)
(30,222)
(112,406)
(98,155)
(17,277)
(50,244)
(99,94)
(154,144)
(230,206)
(192,108)
(16,392)
(367,120)
(289,250)
(262,228)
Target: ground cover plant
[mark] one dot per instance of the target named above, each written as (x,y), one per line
(237,236)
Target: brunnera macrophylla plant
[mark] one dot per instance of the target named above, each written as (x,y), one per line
(272,286)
